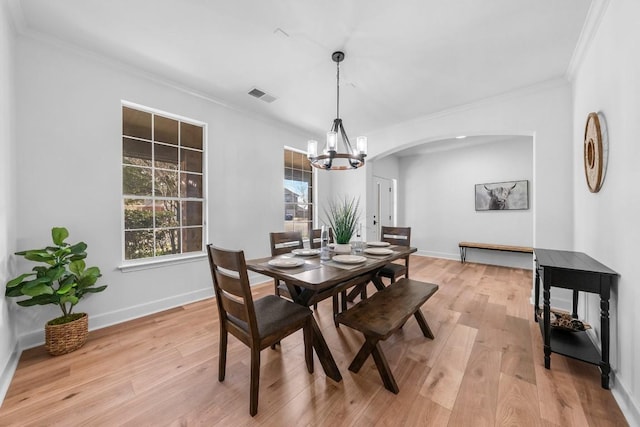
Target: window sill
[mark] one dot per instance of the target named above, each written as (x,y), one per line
(157,263)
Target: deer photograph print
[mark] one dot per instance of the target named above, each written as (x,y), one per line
(498,196)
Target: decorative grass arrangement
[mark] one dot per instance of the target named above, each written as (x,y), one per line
(343,215)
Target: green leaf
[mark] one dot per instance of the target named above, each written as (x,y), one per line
(77,267)
(59,234)
(18,280)
(65,289)
(86,281)
(14,292)
(95,290)
(38,256)
(69,298)
(78,248)
(44,280)
(37,290)
(92,272)
(39,300)
(55,273)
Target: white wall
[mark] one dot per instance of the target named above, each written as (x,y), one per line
(69,174)
(606,223)
(542,111)
(8,339)
(438,200)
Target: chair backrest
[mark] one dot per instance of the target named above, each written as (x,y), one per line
(282,242)
(231,285)
(314,240)
(400,236)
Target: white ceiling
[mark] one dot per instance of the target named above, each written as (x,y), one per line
(404,58)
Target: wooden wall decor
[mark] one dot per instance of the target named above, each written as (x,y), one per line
(595,151)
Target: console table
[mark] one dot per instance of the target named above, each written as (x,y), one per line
(578,272)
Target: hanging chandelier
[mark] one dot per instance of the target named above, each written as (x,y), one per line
(331,158)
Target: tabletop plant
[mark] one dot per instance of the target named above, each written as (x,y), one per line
(62,280)
(343,215)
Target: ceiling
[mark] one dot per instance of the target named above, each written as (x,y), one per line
(404,59)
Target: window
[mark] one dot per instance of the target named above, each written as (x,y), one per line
(162,184)
(298,193)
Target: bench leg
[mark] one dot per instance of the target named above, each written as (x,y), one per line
(384,370)
(372,346)
(422,322)
(362,355)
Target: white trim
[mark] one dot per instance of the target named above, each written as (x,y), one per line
(148,263)
(152,261)
(8,371)
(589,30)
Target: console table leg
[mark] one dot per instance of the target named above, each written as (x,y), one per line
(546,296)
(605,367)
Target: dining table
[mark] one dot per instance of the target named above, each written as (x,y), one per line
(310,279)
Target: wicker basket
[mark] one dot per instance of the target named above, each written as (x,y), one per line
(68,337)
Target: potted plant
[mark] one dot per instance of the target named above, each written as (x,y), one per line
(343,215)
(62,280)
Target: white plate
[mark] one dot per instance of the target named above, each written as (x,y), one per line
(378,244)
(378,251)
(349,259)
(305,252)
(286,262)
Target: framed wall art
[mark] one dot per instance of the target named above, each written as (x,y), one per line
(499,196)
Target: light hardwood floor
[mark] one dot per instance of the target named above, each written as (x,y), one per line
(484,368)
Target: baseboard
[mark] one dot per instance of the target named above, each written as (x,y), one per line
(501,259)
(7,372)
(626,403)
(36,338)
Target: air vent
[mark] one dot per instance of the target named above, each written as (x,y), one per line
(257,93)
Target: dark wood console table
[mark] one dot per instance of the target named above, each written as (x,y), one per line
(578,272)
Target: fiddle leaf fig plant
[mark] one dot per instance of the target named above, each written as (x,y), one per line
(63,280)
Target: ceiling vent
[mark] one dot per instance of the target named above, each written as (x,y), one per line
(262,95)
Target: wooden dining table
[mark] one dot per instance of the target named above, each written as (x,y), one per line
(315,280)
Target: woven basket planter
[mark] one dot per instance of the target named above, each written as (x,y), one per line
(68,337)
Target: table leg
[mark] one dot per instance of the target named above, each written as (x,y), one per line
(377,282)
(605,367)
(537,296)
(546,296)
(324,355)
(574,313)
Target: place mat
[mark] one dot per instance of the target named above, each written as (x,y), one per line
(373,256)
(346,266)
(293,270)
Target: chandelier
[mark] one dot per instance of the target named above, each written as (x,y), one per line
(331,158)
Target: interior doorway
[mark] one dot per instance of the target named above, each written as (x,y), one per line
(384,205)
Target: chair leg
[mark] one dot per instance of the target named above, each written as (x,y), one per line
(335,309)
(255,380)
(307,331)
(222,359)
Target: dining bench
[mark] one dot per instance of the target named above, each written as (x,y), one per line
(383,313)
(490,246)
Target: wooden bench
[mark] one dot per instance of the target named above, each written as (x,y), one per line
(383,313)
(506,248)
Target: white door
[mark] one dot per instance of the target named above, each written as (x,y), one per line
(383,199)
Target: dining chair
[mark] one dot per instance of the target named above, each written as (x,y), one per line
(283,242)
(314,239)
(399,236)
(258,324)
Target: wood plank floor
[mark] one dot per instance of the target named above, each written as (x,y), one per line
(484,368)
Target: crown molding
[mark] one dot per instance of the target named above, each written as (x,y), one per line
(590,28)
(39,37)
(484,102)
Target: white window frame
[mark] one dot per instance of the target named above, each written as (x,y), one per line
(162,260)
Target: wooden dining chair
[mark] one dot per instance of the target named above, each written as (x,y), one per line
(315,241)
(258,324)
(283,242)
(400,236)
